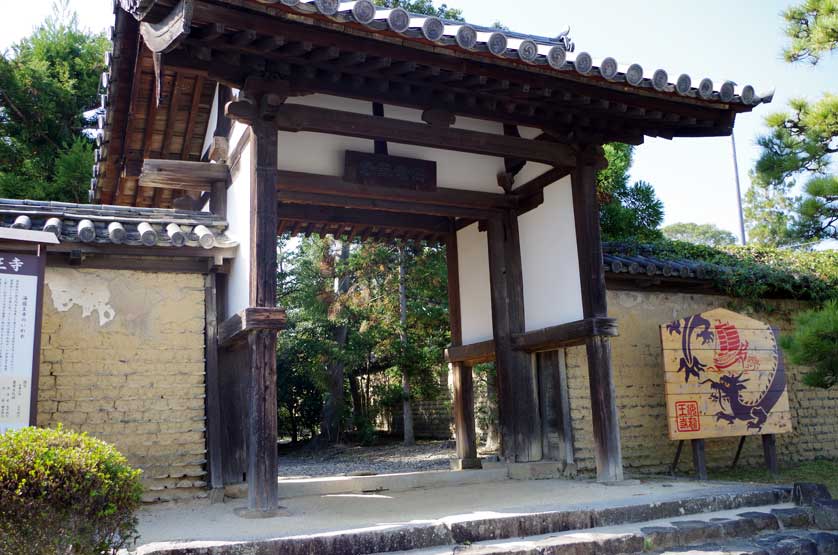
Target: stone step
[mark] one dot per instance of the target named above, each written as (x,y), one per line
(772,530)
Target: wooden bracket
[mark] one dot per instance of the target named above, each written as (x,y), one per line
(236,328)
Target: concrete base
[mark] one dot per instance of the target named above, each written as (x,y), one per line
(244,512)
(336,485)
(466,464)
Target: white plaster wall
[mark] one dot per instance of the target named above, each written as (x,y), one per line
(552,291)
(321,153)
(475,296)
(212,123)
(238,217)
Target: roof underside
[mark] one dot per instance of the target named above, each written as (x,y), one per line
(352,52)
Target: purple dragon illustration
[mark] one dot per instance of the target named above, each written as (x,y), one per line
(728,390)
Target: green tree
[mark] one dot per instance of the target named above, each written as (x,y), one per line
(699,234)
(47,83)
(794,197)
(423,7)
(627,212)
(814,343)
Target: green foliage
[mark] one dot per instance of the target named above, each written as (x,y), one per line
(699,234)
(752,273)
(812,27)
(369,310)
(814,343)
(63,492)
(47,81)
(627,212)
(794,197)
(423,7)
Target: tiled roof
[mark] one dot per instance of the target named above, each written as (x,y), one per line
(617,261)
(557,53)
(117,225)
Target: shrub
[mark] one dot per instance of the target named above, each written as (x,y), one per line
(814,343)
(65,493)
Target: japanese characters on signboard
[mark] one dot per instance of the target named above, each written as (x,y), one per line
(724,376)
(20,281)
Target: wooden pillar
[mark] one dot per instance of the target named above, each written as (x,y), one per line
(461,373)
(769,450)
(262,489)
(214,448)
(520,420)
(606,424)
(554,399)
(699,459)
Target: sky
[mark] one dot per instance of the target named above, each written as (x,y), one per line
(741,41)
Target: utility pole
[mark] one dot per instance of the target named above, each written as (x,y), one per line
(738,190)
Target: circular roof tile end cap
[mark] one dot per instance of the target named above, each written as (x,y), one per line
(608,68)
(498,44)
(749,95)
(364,12)
(399,20)
(327,7)
(684,84)
(705,88)
(728,91)
(660,79)
(557,57)
(528,51)
(86,231)
(291,3)
(117,233)
(466,37)
(433,28)
(584,63)
(634,74)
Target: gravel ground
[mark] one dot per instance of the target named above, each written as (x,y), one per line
(354,460)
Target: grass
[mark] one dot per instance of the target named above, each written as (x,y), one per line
(821,471)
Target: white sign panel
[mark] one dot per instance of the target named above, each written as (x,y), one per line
(20,280)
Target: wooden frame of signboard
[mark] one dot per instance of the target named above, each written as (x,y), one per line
(724,377)
(31,244)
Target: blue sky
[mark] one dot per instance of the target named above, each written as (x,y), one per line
(741,41)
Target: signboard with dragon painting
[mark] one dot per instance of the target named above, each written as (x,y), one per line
(724,376)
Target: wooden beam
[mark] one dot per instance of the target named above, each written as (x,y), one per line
(392,206)
(294,118)
(180,174)
(462,374)
(327,184)
(262,487)
(606,424)
(520,419)
(235,329)
(565,335)
(213,407)
(167,34)
(337,215)
(192,118)
(538,183)
(473,353)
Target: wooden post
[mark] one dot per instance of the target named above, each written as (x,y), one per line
(214,449)
(262,488)
(606,424)
(520,419)
(464,428)
(769,449)
(699,459)
(554,400)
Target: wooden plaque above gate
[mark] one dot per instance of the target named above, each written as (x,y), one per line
(384,170)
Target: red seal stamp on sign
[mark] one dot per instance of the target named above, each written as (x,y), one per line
(686,416)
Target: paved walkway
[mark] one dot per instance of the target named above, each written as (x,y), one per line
(308,515)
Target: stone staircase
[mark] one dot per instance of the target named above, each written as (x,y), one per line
(759,521)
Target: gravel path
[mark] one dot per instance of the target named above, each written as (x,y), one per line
(347,460)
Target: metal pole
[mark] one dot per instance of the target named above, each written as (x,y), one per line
(738,190)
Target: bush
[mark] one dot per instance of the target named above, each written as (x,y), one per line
(65,493)
(814,343)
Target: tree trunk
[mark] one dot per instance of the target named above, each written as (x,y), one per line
(357,401)
(407,410)
(492,432)
(332,422)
